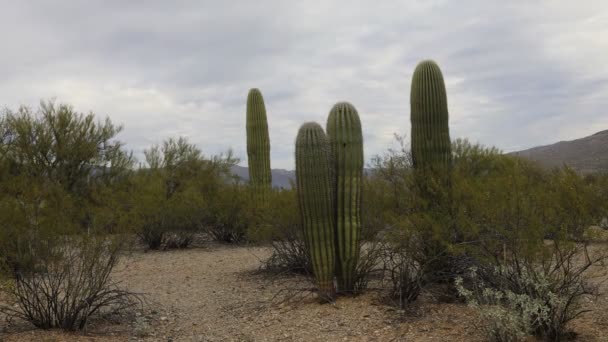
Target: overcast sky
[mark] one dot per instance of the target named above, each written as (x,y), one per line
(518,73)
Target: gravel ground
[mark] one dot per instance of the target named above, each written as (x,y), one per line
(215,294)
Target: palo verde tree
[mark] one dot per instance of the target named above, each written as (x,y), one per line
(62,175)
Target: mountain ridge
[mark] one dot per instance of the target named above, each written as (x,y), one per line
(585,155)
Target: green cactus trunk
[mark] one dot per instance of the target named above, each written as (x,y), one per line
(346,141)
(432,158)
(258,147)
(431,145)
(316,204)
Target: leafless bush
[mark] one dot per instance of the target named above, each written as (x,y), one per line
(65,289)
(151,236)
(288,256)
(179,239)
(369,265)
(405,275)
(225,233)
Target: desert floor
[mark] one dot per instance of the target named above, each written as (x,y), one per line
(216,293)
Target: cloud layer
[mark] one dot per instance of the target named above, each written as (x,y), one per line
(518,74)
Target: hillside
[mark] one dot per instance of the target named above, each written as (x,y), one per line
(585,155)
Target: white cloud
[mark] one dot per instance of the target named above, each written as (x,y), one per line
(518,74)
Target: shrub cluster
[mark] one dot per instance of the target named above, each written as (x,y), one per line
(180,193)
(520,226)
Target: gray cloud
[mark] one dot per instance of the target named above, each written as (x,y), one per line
(518,74)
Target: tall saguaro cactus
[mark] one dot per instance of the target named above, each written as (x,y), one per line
(258,147)
(431,146)
(346,141)
(316,204)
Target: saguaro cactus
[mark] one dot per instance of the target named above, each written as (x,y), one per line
(258,147)
(316,204)
(346,141)
(431,146)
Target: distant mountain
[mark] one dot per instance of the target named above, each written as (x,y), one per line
(585,155)
(280,177)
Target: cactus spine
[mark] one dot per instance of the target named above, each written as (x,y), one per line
(346,142)
(258,147)
(316,204)
(431,146)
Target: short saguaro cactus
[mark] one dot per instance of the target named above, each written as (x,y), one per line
(316,204)
(346,141)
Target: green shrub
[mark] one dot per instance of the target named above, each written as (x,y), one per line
(502,211)
(280,227)
(62,183)
(181,193)
(228,216)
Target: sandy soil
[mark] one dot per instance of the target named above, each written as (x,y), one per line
(215,294)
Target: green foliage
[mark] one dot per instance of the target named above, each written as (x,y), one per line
(315,195)
(346,143)
(258,147)
(179,193)
(60,170)
(502,211)
(281,228)
(230,214)
(431,146)
(599,182)
(62,183)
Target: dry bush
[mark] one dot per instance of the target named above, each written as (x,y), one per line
(69,286)
(288,256)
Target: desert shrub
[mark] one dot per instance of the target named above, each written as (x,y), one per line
(229,214)
(525,226)
(599,183)
(503,315)
(70,284)
(62,181)
(179,192)
(415,220)
(404,275)
(278,225)
(498,211)
(517,299)
(165,221)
